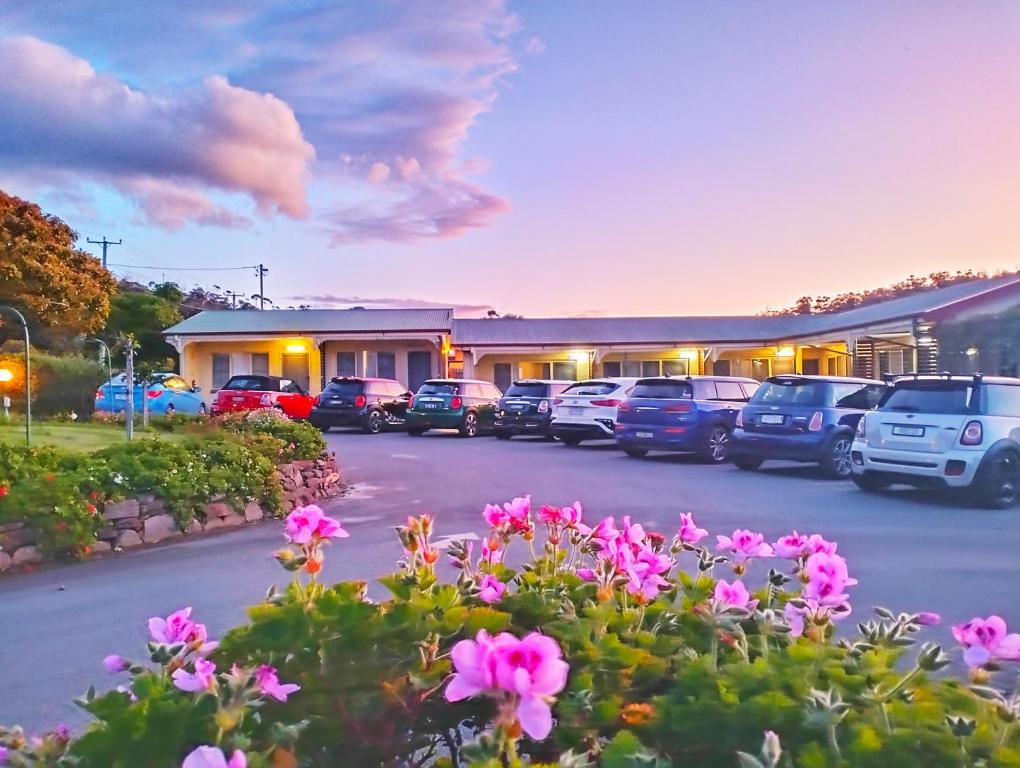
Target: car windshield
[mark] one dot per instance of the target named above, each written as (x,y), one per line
(246,382)
(439,388)
(591,388)
(344,388)
(663,390)
(790,392)
(527,389)
(949,397)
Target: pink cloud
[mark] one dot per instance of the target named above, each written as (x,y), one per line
(59,113)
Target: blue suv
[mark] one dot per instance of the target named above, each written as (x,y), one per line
(804,418)
(690,415)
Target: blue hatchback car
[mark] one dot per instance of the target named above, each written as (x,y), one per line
(803,418)
(167,394)
(689,415)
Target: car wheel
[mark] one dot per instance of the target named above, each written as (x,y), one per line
(170,410)
(871,482)
(374,423)
(202,410)
(469,427)
(837,464)
(415,432)
(572,442)
(636,453)
(717,446)
(997,485)
(503,434)
(746,463)
(323,428)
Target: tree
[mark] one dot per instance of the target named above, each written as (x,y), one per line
(145,315)
(63,291)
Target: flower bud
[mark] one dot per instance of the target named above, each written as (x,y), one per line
(771,749)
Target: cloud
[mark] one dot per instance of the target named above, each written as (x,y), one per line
(233,98)
(535,46)
(59,113)
(329,300)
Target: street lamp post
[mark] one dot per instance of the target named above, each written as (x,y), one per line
(109,369)
(28,373)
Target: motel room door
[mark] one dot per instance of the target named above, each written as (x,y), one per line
(419,368)
(295,368)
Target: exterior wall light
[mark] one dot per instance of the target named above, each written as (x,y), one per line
(785,352)
(295,348)
(971,351)
(579,356)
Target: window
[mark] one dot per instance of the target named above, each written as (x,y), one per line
(831,364)
(246,383)
(704,390)
(721,367)
(1001,400)
(857,396)
(749,388)
(894,361)
(386,365)
(809,367)
(220,370)
(347,388)
(291,387)
(675,368)
(176,383)
(565,371)
(631,367)
(790,392)
(346,364)
(612,370)
(591,388)
(662,389)
(947,397)
(260,363)
(502,375)
(491,392)
(729,390)
(651,368)
(440,388)
(527,389)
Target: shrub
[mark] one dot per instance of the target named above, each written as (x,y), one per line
(300,440)
(60,384)
(596,652)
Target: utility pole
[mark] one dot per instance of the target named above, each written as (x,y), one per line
(233,298)
(261,270)
(106,244)
(129,381)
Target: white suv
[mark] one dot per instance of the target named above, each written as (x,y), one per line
(944,432)
(587,410)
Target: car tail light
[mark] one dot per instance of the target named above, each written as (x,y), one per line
(410,402)
(456,402)
(862,429)
(972,434)
(624,407)
(543,406)
(815,425)
(359,401)
(265,400)
(607,403)
(154,393)
(740,418)
(99,394)
(679,408)
(558,401)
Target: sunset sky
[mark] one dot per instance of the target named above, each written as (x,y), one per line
(547,158)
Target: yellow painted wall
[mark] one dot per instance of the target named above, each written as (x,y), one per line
(363,351)
(694,358)
(524,365)
(196,360)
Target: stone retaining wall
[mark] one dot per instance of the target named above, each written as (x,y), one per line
(146,520)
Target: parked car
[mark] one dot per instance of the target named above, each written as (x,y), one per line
(803,418)
(166,393)
(249,392)
(944,432)
(689,415)
(587,410)
(373,405)
(466,405)
(526,407)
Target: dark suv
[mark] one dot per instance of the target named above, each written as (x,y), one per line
(803,418)
(467,405)
(370,404)
(690,415)
(526,408)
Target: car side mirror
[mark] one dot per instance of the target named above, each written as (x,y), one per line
(196,390)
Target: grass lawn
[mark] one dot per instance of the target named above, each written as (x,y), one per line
(74,437)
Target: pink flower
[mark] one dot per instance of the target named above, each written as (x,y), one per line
(827,578)
(114,664)
(605,531)
(531,669)
(734,594)
(794,618)
(792,546)
(816,544)
(519,514)
(572,515)
(270,685)
(491,553)
(632,533)
(176,628)
(495,516)
(202,679)
(986,640)
(689,532)
(645,573)
(492,589)
(310,524)
(585,574)
(213,757)
(928,619)
(744,545)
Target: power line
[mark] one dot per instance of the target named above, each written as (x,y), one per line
(186,269)
(105,243)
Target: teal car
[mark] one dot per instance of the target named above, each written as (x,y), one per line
(467,405)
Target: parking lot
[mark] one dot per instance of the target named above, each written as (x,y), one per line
(910,550)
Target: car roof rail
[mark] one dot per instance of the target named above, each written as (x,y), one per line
(946,374)
(978,377)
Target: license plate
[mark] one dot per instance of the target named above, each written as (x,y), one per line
(238,399)
(431,406)
(908,431)
(120,397)
(518,406)
(772,418)
(645,434)
(575,411)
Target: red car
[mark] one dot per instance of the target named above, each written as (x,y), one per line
(249,392)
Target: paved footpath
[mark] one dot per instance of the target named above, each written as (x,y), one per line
(910,550)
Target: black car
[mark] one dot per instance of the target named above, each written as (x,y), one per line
(370,404)
(526,408)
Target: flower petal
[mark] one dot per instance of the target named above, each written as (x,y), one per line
(535,717)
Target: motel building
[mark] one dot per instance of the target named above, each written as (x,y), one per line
(412,345)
